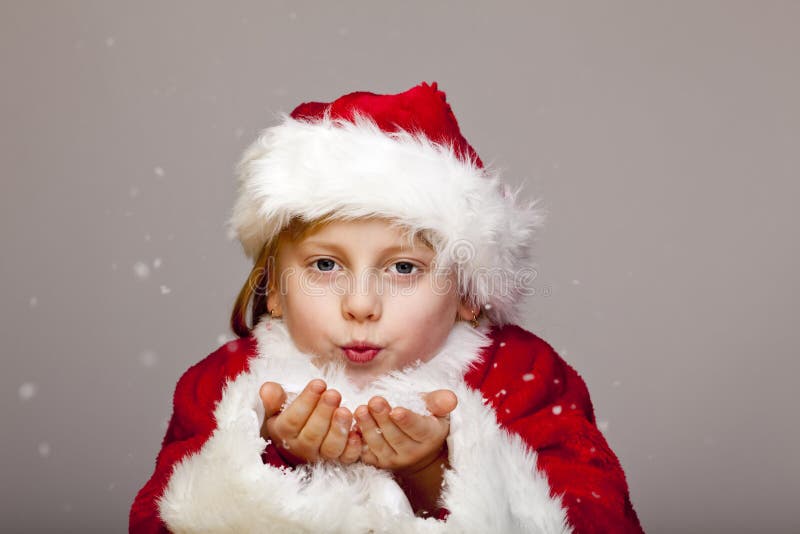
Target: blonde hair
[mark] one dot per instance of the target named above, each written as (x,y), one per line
(253,294)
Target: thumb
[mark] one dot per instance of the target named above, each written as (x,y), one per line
(441,402)
(273,397)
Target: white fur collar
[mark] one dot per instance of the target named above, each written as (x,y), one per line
(281,361)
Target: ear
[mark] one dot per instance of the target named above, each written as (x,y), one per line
(273,298)
(466,310)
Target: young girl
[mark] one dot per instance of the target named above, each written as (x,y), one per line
(383,386)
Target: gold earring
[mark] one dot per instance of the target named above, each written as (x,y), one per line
(272,314)
(474,321)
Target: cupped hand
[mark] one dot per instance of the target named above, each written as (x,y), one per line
(400,440)
(311,428)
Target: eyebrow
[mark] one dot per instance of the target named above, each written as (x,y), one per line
(337,248)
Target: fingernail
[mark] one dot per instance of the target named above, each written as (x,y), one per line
(317,386)
(397,415)
(342,418)
(362,412)
(330,399)
(378,406)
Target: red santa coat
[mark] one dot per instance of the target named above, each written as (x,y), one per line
(524,450)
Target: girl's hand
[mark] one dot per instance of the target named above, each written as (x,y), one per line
(402,441)
(312,428)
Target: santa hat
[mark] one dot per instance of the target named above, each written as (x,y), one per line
(401,157)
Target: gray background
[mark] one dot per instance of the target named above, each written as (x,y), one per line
(663,137)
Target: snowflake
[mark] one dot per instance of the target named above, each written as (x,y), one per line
(158,171)
(165,290)
(595,495)
(148,358)
(572,406)
(502,343)
(141,269)
(527,377)
(44,449)
(576,282)
(133,191)
(487,306)
(378,431)
(557,409)
(556,381)
(616,383)
(494,365)
(27,391)
(156,263)
(508,411)
(110,42)
(32,302)
(501,392)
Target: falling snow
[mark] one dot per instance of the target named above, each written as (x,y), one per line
(527,377)
(557,409)
(110,42)
(494,365)
(147,237)
(487,306)
(165,290)
(378,431)
(508,411)
(141,269)
(33,301)
(576,282)
(27,391)
(616,383)
(44,449)
(148,358)
(501,392)
(133,191)
(556,381)
(158,171)
(156,263)
(595,495)
(502,343)
(602,425)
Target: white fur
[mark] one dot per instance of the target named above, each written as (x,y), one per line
(492,486)
(311,169)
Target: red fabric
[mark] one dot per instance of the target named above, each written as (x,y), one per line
(534,392)
(422,109)
(191,424)
(537,395)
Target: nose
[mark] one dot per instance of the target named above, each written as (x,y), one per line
(362,301)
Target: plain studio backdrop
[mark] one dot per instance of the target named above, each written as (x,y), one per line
(664,138)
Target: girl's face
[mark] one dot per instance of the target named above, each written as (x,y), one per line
(362,282)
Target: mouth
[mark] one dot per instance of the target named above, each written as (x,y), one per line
(361,352)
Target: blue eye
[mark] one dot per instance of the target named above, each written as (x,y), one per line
(406,265)
(325,261)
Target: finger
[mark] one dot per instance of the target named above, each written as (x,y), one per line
(272,397)
(333,441)
(372,435)
(441,402)
(418,427)
(292,420)
(352,451)
(320,423)
(397,439)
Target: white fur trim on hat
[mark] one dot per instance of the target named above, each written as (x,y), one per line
(355,169)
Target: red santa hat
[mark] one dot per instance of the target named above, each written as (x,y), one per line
(401,157)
